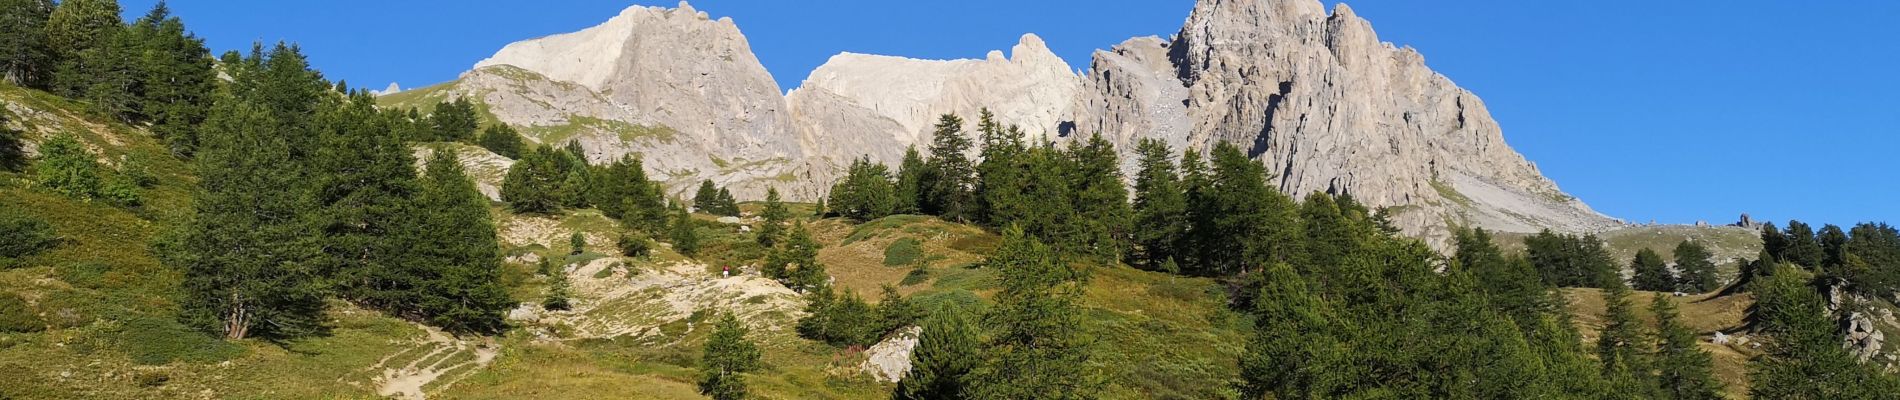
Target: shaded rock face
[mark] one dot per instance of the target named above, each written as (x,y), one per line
(1327,107)
(860,104)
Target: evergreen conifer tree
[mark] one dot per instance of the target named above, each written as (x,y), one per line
(1038,349)
(1101,202)
(1623,347)
(25,58)
(246,253)
(1651,273)
(364,179)
(457,242)
(1160,204)
(1684,371)
(454,121)
(727,357)
(533,183)
(866,193)
(946,352)
(909,187)
(1696,270)
(951,190)
(67,168)
(176,78)
(683,233)
(73,29)
(501,139)
(1803,249)
(773,218)
(1001,175)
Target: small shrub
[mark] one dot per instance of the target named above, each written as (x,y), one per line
(16,316)
(916,276)
(66,167)
(151,378)
(903,252)
(155,341)
(21,236)
(635,245)
(88,274)
(579,242)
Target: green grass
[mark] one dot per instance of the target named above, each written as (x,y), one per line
(903,252)
(1446,191)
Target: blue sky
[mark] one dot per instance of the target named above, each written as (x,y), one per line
(1675,111)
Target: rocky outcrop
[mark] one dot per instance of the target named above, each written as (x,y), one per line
(673,86)
(860,104)
(1312,94)
(1327,107)
(889,360)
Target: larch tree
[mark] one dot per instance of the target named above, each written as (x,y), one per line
(947,350)
(457,244)
(1160,208)
(1696,272)
(725,360)
(1651,273)
(951,193)
(1684,371)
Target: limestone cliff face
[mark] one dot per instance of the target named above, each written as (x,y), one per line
(1327,107)
(673,86)
(858,104)
(1313,95)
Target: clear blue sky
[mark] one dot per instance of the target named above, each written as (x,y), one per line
(1675,111)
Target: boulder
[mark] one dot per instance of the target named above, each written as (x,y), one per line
(889,360)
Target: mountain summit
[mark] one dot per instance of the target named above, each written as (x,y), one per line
(1313,95)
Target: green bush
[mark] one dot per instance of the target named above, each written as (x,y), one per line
(16,316)
(635,245)
(87,274)
(22,236)
(155,341)
(903,252)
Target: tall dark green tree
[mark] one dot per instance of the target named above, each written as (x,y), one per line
(1037,349)
(1773,241)
(1048,210)
(909,189)
(501,139)
(246,253)
(1567,260)
(453,121)
(621,190)
(1684,371)
(73,29)
(684,233)
(1803,248)
(1623,347)
(363,180)
(1696,270)
(1651,273)
(1160,209)
(1001,175)
(1242,224)
(1291,346)
(946,352)
(25,58)
(866,193)
(110,75)
(176,78)
(1833,246)
(1198,190)
(456,241)
(531,185)
(772,219)
(798,258)
(1805,359)
(1101,202)
(952,177)
(727,357)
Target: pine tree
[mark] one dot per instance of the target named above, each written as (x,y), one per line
(706,199)
(501,139)
(176,78)
(727,358)
(772,225)
(1292,341)
(1833,246)
(1803,249)
(1048,209)
(866,193)
(1038,349)
(364,178)
(1651,272)
(454,121)
(1696,270)
(246,253)
(457,241)
(1100,199)
(946,352)
(532,184)
(1191,249)
(1001,177)
(557,289)
(1572,261)
(727,205)
(951,192)
(1773,241)
(74,29)
(799,259)
(1623,347)
(683,233)
(111,70)
(25,58)
(1247,224)
(909,187)
(1683,371)
(894,311)
(1160,205)
(1805,359)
